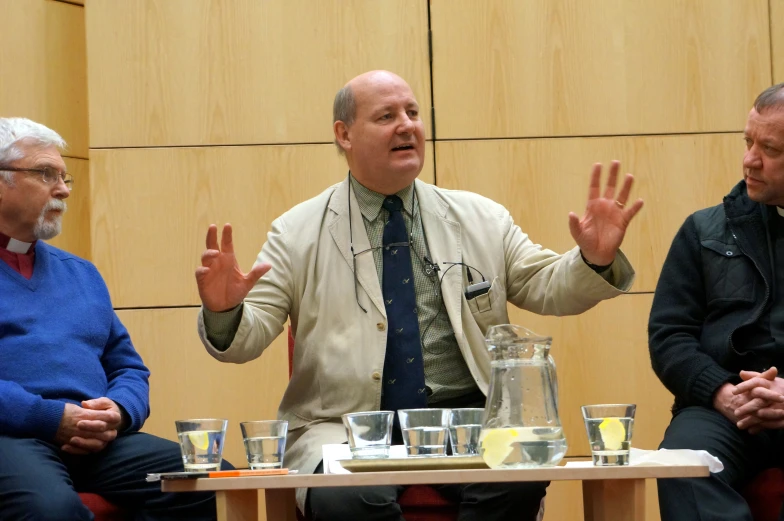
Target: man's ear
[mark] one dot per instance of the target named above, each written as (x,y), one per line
(341,135)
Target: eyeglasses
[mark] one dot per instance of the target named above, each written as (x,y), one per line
(48,174)
(355,255)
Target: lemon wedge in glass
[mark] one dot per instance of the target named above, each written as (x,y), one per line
(199,439)
(613,433)
(495,445)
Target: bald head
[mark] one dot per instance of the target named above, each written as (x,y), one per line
(377,125)
(344,107)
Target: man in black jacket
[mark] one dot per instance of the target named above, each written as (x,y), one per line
(716,330)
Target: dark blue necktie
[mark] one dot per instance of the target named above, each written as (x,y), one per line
(404,371)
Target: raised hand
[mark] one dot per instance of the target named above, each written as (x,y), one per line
(222,285)
(600,231)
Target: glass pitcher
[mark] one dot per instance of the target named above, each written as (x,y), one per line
(521,428)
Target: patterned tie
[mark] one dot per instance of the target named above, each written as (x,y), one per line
(404,372)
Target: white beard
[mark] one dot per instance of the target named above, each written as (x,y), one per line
(48,229)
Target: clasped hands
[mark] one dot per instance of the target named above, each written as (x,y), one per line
(89,428)
(755,404)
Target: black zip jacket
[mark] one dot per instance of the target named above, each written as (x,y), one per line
(712,300)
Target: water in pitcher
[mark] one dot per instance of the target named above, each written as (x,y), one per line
(522,447)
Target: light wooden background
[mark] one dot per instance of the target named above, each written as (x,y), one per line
(206,111)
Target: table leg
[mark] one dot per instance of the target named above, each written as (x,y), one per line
(614,500)
(237,505)
(281,504)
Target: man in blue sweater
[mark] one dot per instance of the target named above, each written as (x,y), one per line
(73,391)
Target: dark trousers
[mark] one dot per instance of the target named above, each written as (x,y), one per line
(743,455)
(478,501)
(39,482)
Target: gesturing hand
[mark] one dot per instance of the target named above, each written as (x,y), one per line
(222,285)
(600,231)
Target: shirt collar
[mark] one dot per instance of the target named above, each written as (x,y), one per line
(780,210)
(370,202)
(12,245)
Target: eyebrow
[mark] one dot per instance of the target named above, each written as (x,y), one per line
(387,108)
(49,164)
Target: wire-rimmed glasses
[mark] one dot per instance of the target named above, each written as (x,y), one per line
(49,175)
(354,258)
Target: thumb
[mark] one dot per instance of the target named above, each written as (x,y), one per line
(770,374)
(257,271)
(574,225)
(748,375)
(97,403)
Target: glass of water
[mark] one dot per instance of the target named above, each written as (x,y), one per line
(369,433)
(265,443)
(424,431)
(609,429)
(201,443)
(465,425)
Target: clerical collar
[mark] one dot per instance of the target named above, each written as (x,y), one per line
(15,246)
(780,210)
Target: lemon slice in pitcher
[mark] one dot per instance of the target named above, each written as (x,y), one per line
(613,433)
(495,445)
(199,439)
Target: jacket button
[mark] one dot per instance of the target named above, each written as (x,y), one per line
(376,376)
(381,326)
(729,253)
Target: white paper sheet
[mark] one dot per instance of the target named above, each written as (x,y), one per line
(665,457)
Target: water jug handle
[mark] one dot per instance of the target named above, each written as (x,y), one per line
(553,378)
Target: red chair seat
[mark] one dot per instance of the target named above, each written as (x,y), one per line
(102,509)
(765,495)
(423,503)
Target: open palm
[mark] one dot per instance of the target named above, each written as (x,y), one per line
(222,285)
(600,231)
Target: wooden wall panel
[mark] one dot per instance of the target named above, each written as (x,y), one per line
(514,68)
(602,357)
(208,72)
(151,209)
(75,237)
(186,382)
(777,35)
(540,181)
(43,70)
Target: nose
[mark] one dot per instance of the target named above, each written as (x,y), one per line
(60,189)
(752,159)
(406,125)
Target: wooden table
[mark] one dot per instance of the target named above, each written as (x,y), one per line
(609,493)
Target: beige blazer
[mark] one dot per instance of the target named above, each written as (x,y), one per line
(339,349)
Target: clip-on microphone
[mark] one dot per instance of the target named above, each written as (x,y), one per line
(431,268)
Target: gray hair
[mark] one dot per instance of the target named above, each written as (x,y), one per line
(14,130)
(771,97)
(344,109)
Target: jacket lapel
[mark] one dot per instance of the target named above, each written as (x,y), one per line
(341,234)
(443,241)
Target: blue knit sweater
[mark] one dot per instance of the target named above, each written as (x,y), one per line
(60,341)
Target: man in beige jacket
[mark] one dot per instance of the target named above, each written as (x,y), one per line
(322,267)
